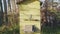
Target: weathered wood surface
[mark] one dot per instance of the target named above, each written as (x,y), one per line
(28,28)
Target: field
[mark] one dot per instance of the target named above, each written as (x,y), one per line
(29,14)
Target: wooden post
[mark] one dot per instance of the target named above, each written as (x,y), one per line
(6,17)
(1,13)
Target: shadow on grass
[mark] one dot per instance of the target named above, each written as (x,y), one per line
(49,30)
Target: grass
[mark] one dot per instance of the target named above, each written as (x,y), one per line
(49,30)
(9,30)
(12,26)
